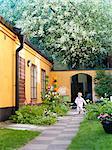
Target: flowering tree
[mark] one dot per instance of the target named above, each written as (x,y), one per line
(78,33)
(12,10)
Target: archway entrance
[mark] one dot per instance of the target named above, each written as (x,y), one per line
(81,83)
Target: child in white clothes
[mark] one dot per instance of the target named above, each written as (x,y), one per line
(80,101)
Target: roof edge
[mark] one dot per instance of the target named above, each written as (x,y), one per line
(36,49)
(17,31)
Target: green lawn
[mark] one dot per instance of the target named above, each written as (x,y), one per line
(91,136)
(13,139)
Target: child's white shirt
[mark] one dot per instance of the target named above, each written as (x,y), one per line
(80,101)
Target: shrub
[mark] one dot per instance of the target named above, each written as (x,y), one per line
(34,115)
(56,103)
(103,84)
(45,120)
(61,110)
(94,110)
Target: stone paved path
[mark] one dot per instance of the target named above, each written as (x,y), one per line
(58,136)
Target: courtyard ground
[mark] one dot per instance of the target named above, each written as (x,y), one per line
(54,137)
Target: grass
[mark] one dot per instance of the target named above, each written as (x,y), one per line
(14,139)
(91,136)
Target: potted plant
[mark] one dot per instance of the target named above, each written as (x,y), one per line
(106,120)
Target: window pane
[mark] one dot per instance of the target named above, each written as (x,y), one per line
(43,74)
(33,82)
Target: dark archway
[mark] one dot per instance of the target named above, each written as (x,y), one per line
(81,83)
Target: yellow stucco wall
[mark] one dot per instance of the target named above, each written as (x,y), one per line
(8,45)
(64,79)
(7,65)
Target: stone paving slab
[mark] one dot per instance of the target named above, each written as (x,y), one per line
(61,142)
(64,138)
(57,147)
(52,131)
(36,147)
(26,127)
(58,136)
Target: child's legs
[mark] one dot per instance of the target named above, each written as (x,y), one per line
(79,109)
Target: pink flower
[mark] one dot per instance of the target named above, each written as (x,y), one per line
(105,115)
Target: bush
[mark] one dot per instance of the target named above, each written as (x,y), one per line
(103,84)
(34,115)
(45,120)
(94,110)
(61,110)
(56,103)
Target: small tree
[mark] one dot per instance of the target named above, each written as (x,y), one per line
(103,83)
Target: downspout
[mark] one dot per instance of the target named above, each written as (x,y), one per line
(21,40)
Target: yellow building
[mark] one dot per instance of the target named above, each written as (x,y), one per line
(23,70)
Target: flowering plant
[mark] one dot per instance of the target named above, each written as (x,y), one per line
(105,117)
(88,101)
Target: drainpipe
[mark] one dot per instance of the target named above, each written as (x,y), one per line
(21,40)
